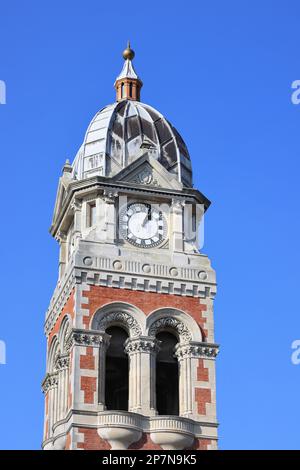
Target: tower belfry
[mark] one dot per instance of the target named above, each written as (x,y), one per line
(130,332)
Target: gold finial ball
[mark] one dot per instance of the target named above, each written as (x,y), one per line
(128,53)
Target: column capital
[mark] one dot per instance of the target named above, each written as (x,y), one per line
(50,381)
(177,204)
(93,338)
(62,361)
(109,196)
(143,344)
(196,350)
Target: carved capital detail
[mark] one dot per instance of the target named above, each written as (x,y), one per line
(177,204)
(62,361)
(198,350)
(109,196)
(50,381)
(92,338)
(141,345)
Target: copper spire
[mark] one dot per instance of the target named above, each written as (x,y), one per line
(128,84)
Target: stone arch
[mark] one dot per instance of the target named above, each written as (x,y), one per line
(174,320)
(120,314)
(52,354)
(63,332)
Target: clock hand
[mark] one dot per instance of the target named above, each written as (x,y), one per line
(145,220)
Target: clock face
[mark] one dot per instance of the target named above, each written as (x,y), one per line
(142,225)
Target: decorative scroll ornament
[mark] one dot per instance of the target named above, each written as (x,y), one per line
(121,318)
(174,324)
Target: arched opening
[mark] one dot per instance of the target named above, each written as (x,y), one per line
(167,376)
(122,90)
(116,371)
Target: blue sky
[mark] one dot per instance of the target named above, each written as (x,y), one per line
(221,72)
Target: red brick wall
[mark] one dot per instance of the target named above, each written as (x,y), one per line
(202,396)
(202,372)
(88,386)
(87,361)
(145,301)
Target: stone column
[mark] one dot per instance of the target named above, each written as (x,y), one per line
(50,387)
(62,366)
(184,357)
(142,391)
(103,343)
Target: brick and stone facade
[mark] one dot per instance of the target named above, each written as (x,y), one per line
(106,280)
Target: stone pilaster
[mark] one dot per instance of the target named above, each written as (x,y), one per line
(79,340)
(76,207)
(109,200)
(62,367)
(177,225)
(62,240)
(188,356)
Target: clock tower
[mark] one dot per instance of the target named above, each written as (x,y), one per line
(130,332)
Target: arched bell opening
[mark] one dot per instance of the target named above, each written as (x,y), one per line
(116,371)
(167,376)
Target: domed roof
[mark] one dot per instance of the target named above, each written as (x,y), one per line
(120,133)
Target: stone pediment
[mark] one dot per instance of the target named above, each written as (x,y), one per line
(60,197)
(147,171)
